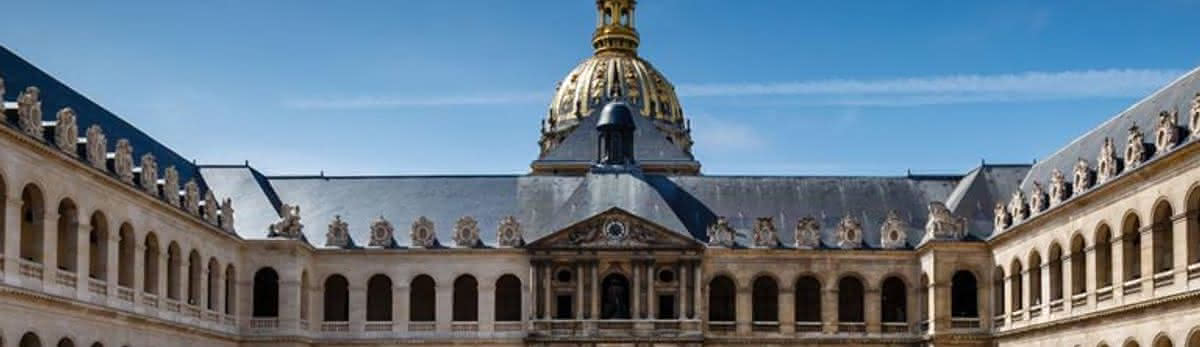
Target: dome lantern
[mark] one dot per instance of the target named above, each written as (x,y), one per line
(615,28)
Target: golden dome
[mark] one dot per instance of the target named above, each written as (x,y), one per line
(614,73)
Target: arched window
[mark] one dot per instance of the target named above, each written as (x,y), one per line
(508,299)
(614,297)
(998,291)
(808,299)
(1078,266)
(98,247)
(1193,227)
(1131,246)
(337,302)
(126,251)
(266,293)
(765,300)
(305,292)
(1056,272)
(964,295)
(1014,279)
(850,300)
(379,298)
(230,289)
(65,342)
(1163,341)
(174,262)
(466,299)
(30,340)
(422,300)
(722,305)
(1104,261)
(214,285)
(1035,279)
(33,214)
(193,283)
(1164,248)
(150,263)
(68,234)
(894,300)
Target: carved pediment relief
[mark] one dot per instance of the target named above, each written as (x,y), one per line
(615,228)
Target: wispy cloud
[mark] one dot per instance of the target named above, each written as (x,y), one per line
(724,135)
(895,92)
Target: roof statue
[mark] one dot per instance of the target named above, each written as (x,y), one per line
(720,234)
(123,161)
(66,131)
(1167,134)
(808,233)
(381,233)
(29,112)
(466,232)
(943,224)
(149,178)
(894,232)
(288,225)
(849,233)
(764,233)
(97,147)
(339,233)
(1135,148)
(509,233)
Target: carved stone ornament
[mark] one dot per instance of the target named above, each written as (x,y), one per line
(808,233)
(509,233)
(288,225)
(944,225)
(123,161)
(1058,187)
(170,189)
(210,207)
(1083,176)
(97,147)
(764,233)
(720,234)
(149,174)
(1135,148)
(227,215)
(422,233)
(1037,198)
(1106,164)
(466,232)
(338,234)
(1167,134)
(894,232)
(66,132)
(29,112)
(1017,206)
(849,233)
(1194,120)
(191,197)
(1002,217)
(382,233)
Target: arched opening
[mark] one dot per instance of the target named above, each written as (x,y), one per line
(1164,248)
(150,264)
(894,300)
(1056,272)
(1131,247)
(30,340)
(305,293)
(174,262)
(614,297)
(850,300)
(1130,343)
(68,235)
(964,295)
(998,291)
(126,251)
(33,214)
(1014,279)
(337,299)
(98,247)
(466,299)
(1078,266)
(65,342)
(193,282)
(1194,339)
(266,293)
(1193,227)
(379,298)
(422,299)
(1163,341)
(765,300)
(214,284)
(230,289)
(808,300)
(1104,261)
(722,304)
(1035,279)
(508,299)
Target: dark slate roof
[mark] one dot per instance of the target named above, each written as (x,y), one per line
(977,194)
(18,74)
(254,201)
(1176,96)
(650,144)
(600,192)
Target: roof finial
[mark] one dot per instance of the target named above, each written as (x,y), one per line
(615,27)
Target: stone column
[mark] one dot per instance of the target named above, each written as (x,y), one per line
(744,309)
(12,239)
(444,309)
(681,297)
(50,246)
(872,310)
(1117,266)
(787,309)
(939,314)
(487,306)
(697,293)
(113,266)
(214,287)
(651,292)
(163,269)
(289,298)
(1068,281)
(1008,302)
(1147,265)
(139,275)
(579,303)
(357,302)
(636,313)
(829,307)
(400,305)
(546,292)
(1091,275)
(83,260)
(1179,249)
(596,289)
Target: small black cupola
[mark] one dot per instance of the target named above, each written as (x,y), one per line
(616,135)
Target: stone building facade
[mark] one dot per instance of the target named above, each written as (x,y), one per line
(110,238)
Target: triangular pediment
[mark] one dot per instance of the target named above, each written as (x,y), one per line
(615,229)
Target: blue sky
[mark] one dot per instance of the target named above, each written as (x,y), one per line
(774,87)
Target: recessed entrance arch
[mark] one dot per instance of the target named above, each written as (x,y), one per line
(614,297)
